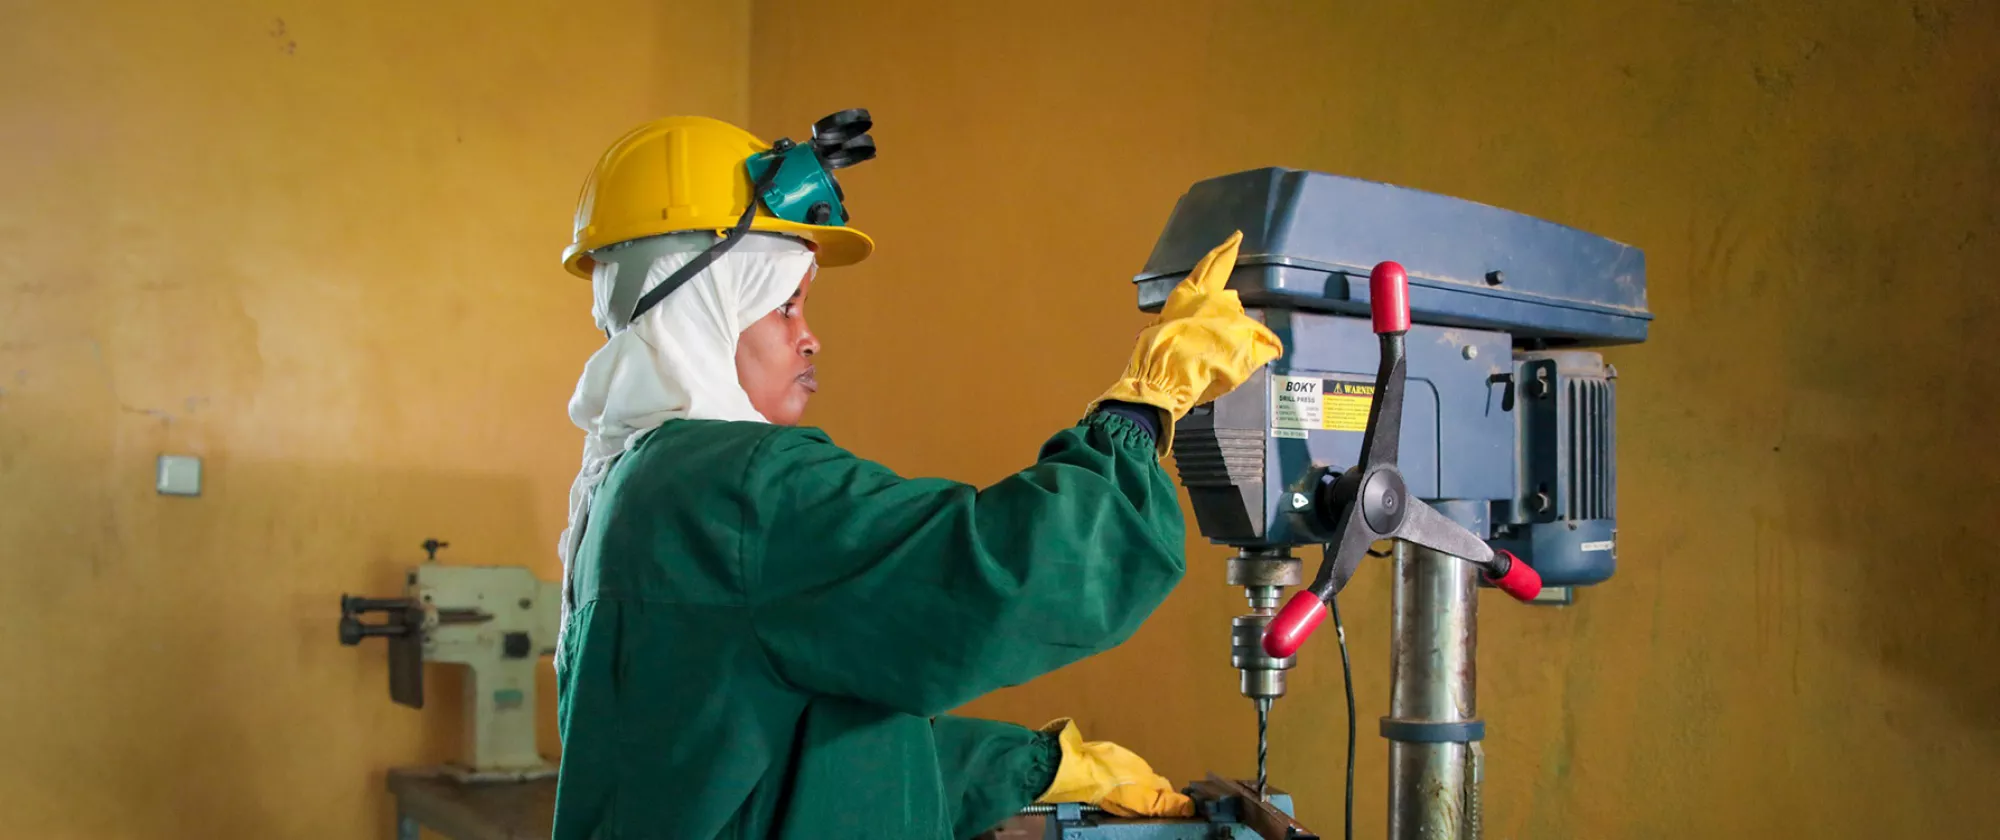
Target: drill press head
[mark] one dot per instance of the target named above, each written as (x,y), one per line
(1505,403)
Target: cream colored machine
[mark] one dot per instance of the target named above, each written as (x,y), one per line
(498,621)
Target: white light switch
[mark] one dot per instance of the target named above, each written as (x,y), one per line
(179,475)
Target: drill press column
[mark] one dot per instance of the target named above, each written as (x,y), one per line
(1433,725)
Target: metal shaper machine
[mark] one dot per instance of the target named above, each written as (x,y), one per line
(1439,391)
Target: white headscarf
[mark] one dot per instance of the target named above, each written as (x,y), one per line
(678,360)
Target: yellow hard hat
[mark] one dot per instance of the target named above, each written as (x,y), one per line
(682,174)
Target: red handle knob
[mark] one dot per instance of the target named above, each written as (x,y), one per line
(1520,580)
(1389,298)
(1290,627)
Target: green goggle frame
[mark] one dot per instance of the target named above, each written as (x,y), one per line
(795,181)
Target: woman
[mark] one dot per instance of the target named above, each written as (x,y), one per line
(762,632)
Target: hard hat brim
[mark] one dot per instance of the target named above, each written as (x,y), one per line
(836,246)
(832,246)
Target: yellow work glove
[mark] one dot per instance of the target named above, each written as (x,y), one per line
(1200,347)
(1109,776)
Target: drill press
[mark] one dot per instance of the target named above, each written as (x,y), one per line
(1439,391)
(1467,304)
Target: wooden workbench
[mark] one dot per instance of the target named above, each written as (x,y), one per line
(489,811)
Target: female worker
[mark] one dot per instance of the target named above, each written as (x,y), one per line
(762,632)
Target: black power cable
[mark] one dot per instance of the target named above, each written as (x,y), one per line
(1346,678)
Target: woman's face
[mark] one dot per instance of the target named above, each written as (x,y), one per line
(774,360)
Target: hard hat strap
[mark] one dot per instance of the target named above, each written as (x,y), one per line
(658,293)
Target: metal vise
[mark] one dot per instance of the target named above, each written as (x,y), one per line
(1224,810)
(496,620)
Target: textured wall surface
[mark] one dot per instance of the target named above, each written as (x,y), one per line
(315,243)
(1800,642)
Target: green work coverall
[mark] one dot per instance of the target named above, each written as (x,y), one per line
(767,630)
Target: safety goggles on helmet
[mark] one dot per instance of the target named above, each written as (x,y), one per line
(795,182)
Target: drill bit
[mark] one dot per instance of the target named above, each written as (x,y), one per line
(1040,809)
(1263,743)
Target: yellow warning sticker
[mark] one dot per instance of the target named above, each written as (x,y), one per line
(1346,406)
(1315,404)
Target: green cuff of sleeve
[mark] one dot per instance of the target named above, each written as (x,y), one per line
(992,770)
(1122,430)
(1042,767)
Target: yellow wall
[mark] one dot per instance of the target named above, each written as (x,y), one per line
(314,243)
(1801,642)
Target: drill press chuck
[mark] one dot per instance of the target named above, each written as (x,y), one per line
(1263,574)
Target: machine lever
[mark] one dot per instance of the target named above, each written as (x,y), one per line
(1506,382)
(405,618)
(1389,298)
(1300,616)
(355,604)
(352,631)
(1370,502)
(1389,302)
(1508,574)
(1424,526)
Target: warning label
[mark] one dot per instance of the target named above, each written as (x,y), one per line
(1314,404)
(1347,405)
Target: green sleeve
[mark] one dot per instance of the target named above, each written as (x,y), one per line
(922,594)
(991,770)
